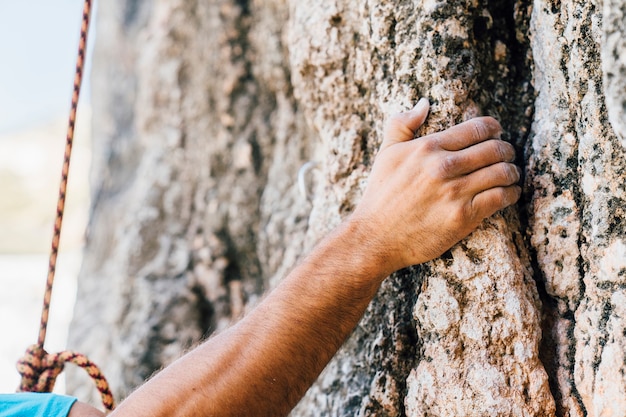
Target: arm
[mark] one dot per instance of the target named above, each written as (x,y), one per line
(265,363)
(423,196)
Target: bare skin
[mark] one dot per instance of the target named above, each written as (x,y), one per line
(424,195)
(84,410)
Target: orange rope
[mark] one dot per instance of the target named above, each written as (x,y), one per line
(38,368)
(78,78)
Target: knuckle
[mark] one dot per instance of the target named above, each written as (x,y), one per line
(486,127)
(479,129)
(508,151)
(503,175)
(505,172)
(501,198)
(429,144)
(448,166)
(397,124)
(463,214)
(512,173)
(457,187)
(502,151)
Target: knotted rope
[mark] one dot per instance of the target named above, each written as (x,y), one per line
(38,368)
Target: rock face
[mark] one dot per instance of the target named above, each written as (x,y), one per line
(204,112)
(576,177)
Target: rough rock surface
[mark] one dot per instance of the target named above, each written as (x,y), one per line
(439,51)
(613,43)
(206,110)
(576,177)
(198,144)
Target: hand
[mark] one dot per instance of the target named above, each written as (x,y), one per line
(426,194)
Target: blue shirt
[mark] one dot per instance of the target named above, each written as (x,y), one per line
(34,404)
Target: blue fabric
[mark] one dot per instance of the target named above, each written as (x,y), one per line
(33,404)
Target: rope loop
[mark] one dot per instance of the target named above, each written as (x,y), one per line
(39,371)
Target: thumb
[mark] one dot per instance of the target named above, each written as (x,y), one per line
(402,126)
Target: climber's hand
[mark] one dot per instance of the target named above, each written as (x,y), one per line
(426,194)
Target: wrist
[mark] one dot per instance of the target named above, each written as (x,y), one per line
(366,253)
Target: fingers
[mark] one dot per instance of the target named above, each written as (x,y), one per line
(402,126)
(469,133)
(486,203)
(488,190)
(502,174)
(473,157)
(476,157)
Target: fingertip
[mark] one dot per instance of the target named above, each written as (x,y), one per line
(518,193)
(487,202)
(401,127)
(495,126)
(422,105)
(418,114)
(512,195)
(511,151)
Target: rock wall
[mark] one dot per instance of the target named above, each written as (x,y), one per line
(197,145)
(204,112)
(576,177)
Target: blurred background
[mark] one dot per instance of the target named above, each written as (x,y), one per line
(38,44)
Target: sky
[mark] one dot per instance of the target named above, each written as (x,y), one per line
(38,45)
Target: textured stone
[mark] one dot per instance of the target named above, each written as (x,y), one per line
(614,64)
(198,128)
(576,177)
(206,110)
(478,320)
(436,50)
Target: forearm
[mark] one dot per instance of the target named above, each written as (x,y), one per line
(423,196)
(267,361)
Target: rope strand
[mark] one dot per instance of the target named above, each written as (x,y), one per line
(78,78)
(38,368)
